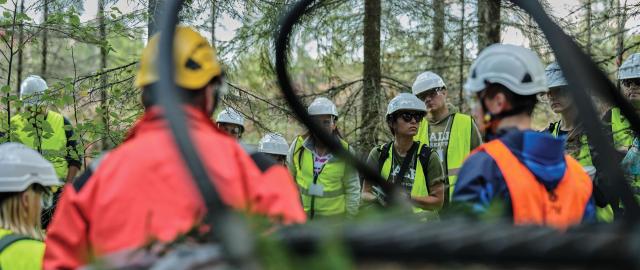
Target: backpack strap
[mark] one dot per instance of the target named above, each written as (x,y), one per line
(423,157)
(384,154)
(10,239)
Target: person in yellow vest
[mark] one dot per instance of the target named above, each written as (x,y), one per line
(576,142)
(328,186)
(45,131)
(451,134)
(408,163)
(24,176)
(629,76)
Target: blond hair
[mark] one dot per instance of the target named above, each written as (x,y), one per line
(15,218)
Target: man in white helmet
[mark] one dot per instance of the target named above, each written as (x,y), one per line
(629,76)
(570,129)
(51,135)
(451,134)
(520,171)
(274,145)
(406,162)
(329,187)
(231,122)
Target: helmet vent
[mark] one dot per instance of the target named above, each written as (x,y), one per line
(527,78)
(192,64)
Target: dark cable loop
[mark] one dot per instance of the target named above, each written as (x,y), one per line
(287,21)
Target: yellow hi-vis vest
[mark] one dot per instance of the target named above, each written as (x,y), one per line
(333,200)
(24,254)
(621,129)
(419,188)
(458,148)
(584,158)
(52,142)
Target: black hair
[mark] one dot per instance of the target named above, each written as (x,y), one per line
(518,102)
(187,96)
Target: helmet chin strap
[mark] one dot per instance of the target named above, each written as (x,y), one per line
(492,121)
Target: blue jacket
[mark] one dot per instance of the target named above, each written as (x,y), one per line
(480,181)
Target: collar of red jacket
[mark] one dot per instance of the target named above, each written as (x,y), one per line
(153,119)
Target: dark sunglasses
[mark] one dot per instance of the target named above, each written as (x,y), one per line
(407,116)
(630,82)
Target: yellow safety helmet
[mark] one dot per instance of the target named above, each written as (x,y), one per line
(194,58)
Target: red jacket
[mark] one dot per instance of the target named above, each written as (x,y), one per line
(142,191)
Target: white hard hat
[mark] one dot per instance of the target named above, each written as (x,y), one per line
(273,143)
(405,101)
(229,115)
(630,68)
(21,166)
(322,106)
(517,68)
(31,89)
(555,78)
(426,81)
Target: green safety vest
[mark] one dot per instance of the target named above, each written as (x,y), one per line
(25,254)
(584,158)
(621,129)
(458,148)
(52,143)
(331,178)
(420,188)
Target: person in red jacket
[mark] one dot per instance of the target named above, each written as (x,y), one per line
(142,192)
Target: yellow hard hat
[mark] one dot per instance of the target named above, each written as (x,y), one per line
(194,58)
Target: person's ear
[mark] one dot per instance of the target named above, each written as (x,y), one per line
(25,201)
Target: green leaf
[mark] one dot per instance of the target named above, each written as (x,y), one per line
(2,2)
(5,89)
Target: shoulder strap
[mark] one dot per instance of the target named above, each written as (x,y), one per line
(423,157)
(384,154)
(10,239)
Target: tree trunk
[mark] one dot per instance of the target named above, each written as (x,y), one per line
(20,49)
(154,10)
(45,34)
(371,75)
(438,36)
(104,105)
(588,30)
(461,70)
(488,23)
(622,19)
(214,16)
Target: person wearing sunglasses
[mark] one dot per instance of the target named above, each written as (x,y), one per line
(409,164)
(25,181)
(231,122)
(451,134)
(329,188)
(629,76)
(519,174)
(570,129)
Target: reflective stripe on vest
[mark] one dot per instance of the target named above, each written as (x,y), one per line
(333,201)
(621,129)
(53,139)
(419,188)
(531,202)
(458,148)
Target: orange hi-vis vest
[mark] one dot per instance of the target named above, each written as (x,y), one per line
(531,202)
